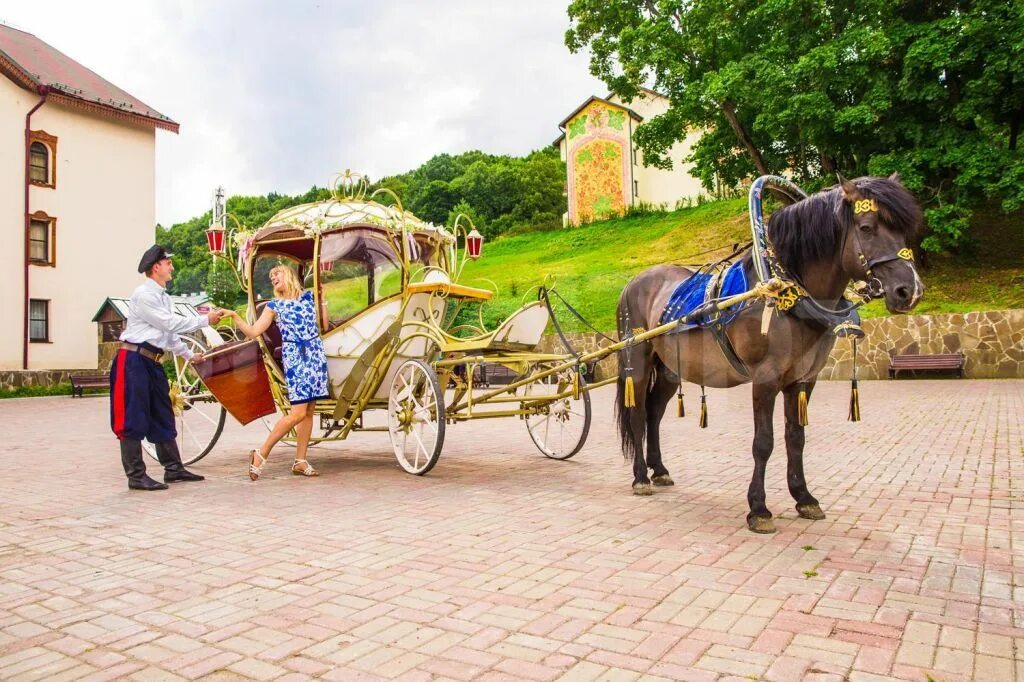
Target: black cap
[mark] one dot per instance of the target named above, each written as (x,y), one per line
(153,255)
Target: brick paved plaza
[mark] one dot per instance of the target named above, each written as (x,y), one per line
(501,564)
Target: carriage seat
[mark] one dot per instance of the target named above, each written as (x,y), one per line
(271,337)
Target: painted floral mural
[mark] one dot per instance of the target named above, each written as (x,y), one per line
(599,182)
(599,165)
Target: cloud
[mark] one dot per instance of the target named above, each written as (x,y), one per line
(277,96)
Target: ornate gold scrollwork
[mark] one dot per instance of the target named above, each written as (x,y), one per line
(865,206)
(905,254)
(787,298)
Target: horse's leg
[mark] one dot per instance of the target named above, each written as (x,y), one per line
(632,421)
(637,417)
(806,505)
(759,519)
(657,401)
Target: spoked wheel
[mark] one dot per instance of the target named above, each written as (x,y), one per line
(561,425)
(199,418)
(416,417)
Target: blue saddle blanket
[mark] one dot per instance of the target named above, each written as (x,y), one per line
(692,293)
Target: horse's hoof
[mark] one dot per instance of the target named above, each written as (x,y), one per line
(642,489)
(663,479)
(810,511)
(760,524)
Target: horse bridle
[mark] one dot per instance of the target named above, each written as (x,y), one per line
(874,287)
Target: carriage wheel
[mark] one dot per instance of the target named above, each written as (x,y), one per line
(198,416)
(416,417)
(560,429)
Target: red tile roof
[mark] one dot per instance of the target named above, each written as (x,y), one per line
(33,64)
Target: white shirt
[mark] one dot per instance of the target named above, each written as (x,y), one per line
(152,319)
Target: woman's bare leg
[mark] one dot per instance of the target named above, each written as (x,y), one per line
(284,425)
(303,431)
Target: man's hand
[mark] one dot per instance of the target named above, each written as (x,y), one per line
(215,315)
(197,357)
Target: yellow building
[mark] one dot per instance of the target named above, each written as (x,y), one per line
(605,170)
(77,201)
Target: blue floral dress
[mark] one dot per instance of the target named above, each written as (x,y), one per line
(305,364)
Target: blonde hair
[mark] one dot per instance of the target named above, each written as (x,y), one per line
(292,286)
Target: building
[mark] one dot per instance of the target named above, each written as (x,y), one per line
(77,200)
(605,170)
(113,315)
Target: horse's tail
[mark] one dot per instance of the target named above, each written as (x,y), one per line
(631,443)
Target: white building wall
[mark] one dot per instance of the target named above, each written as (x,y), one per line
(656,186)
(104,203)
(15,102)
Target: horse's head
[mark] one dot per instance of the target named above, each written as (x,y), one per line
(879,216)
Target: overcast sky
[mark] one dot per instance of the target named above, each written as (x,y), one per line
(277,96)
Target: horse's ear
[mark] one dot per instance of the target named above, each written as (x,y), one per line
(895,177)
(850,192)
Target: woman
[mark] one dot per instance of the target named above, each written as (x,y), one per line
(305,365)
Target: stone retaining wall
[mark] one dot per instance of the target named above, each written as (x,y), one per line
(12,379)
(991,341)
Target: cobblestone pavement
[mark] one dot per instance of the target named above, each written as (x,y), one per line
(501,564)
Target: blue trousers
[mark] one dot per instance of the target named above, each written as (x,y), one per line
(140,404)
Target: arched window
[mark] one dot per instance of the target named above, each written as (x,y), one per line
(42,156)
(39,163)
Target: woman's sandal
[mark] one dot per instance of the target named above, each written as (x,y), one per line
(255,471)
(306,470)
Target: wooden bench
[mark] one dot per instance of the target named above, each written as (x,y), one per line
(926,363)
(83,381)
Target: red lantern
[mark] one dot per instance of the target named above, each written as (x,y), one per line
(215,240)
(474,243)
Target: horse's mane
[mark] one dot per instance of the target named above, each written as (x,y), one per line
(812,230)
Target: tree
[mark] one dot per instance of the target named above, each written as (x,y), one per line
(931,89)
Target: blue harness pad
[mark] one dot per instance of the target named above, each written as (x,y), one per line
(692,293)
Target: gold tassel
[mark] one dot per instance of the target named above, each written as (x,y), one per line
(854,402)
(576,384)
(801,407)
(630,398)
(703,411)
(680,410)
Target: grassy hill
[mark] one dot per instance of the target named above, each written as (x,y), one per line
(591,264)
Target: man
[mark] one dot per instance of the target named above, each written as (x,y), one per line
(140,404)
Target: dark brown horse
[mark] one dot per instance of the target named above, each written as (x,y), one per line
(823,243)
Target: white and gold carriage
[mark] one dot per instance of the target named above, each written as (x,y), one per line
(402,335)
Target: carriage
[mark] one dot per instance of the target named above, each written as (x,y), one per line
(402,334)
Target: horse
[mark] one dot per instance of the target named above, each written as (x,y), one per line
(857,230)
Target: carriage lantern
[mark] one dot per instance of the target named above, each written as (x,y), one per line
(215,235)
(215,240)
(474,242)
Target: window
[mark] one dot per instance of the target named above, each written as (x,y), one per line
(42,237)
(39,321)
(39,163)
(42,151)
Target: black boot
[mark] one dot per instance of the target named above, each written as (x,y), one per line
(174,470)
(135,468)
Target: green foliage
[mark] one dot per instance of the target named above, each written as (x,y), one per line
(502,194)
(933,90)
(36,391)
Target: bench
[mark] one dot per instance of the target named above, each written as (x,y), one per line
(83,381)
(921,362)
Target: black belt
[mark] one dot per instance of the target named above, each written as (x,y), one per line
(144,352)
